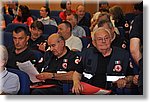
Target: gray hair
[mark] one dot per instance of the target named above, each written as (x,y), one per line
(109,23)
(100,28)
(3,54)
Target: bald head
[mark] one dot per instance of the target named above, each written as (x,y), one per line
(57,44)
(55,37)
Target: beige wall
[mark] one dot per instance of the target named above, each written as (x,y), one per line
(91,7)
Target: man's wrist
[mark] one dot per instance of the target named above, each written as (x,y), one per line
(129,79)
(53,75)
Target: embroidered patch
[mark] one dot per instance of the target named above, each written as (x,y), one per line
(77,61)
(126,25)
(124,46)
(117,68)
(64,65)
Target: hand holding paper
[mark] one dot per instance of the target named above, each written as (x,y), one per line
(29,69)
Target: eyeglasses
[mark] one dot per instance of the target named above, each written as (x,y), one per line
(105,39)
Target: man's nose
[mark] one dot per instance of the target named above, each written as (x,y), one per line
(17,41)
(103,40)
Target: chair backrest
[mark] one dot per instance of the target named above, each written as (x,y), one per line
(37,54)
(35,13)
(7,39)
(24,81)
(50,29)
(38,59)
(8,19)
(55,13)
(57,19)
(88,15)
(87,31)
(10,27)
(85,42)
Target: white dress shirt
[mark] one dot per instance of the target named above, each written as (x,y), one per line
(74,43)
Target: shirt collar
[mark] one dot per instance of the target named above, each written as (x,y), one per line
(75,27)
(27,49)
(95,50)
(46,18)
(64,55)
(69,38)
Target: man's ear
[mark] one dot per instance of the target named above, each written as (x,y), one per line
(28,38)
(62,42)
(93,42)
(113,29)
(2,63)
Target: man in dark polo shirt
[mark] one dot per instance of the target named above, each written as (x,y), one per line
(60,63)
(20,51)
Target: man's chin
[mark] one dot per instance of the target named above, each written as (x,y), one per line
(18,48)
(35,37)
(55,53)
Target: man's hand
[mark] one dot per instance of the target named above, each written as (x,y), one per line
(135,79)
(121,83)
(42,46)
(77,88)
(44,76)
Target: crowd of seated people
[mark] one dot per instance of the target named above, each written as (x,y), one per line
(61,58)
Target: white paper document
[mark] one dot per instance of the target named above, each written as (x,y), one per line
(29,69)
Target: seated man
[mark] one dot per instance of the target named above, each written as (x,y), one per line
(60,64)
(101,62)
(77,31)
(72,42)
(20,51)
(9,81)
(36,39)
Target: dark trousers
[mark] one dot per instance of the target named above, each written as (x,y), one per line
(140,84)
(56,90)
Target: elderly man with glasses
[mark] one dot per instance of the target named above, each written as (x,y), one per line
(103,66)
